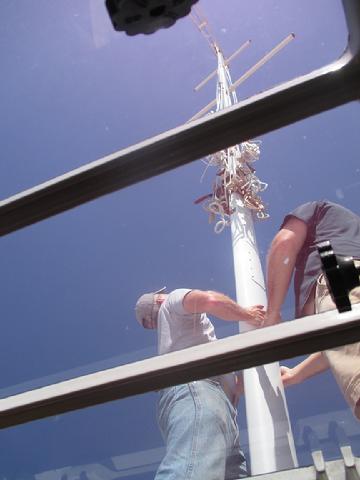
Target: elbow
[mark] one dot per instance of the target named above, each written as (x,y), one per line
(284,246)
(285,238)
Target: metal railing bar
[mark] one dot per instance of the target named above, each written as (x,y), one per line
(258,347)
(352,16)
(321,90)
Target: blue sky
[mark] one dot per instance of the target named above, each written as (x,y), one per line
(72,91)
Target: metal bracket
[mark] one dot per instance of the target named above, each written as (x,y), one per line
(312,442)
(319,464)
(337,433)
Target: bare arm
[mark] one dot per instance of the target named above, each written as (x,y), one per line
(280,265)
(312,365)
(221,306)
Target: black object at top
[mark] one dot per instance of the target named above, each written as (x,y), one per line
(146,16)
(341,275)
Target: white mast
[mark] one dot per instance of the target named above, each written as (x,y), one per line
(234,199)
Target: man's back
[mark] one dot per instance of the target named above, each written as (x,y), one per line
(325,221)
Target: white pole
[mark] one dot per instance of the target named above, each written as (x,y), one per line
(271,442)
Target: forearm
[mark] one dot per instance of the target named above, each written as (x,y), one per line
(281,263)
(312,365)
(223,307)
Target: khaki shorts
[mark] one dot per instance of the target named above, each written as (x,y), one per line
(344,361)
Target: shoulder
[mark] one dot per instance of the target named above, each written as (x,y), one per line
(304,213)
(303,217)
(175,300)
(293,231)
(185,301)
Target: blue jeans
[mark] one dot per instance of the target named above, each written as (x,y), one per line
(198,424)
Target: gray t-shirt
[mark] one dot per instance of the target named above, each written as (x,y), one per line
(325,221)
(178,329)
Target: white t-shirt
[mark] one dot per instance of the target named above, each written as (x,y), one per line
(178,329)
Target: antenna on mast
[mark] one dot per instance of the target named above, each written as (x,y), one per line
(227,61)
(246,75)
(202,24)
(235,174)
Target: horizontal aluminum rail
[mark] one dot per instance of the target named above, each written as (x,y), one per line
(316,92)
(258,347)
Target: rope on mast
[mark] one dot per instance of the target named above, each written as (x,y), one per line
(235,175)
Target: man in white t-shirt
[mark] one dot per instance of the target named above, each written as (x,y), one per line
(197,419)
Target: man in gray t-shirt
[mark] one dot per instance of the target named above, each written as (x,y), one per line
(294,248)
(197,419)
